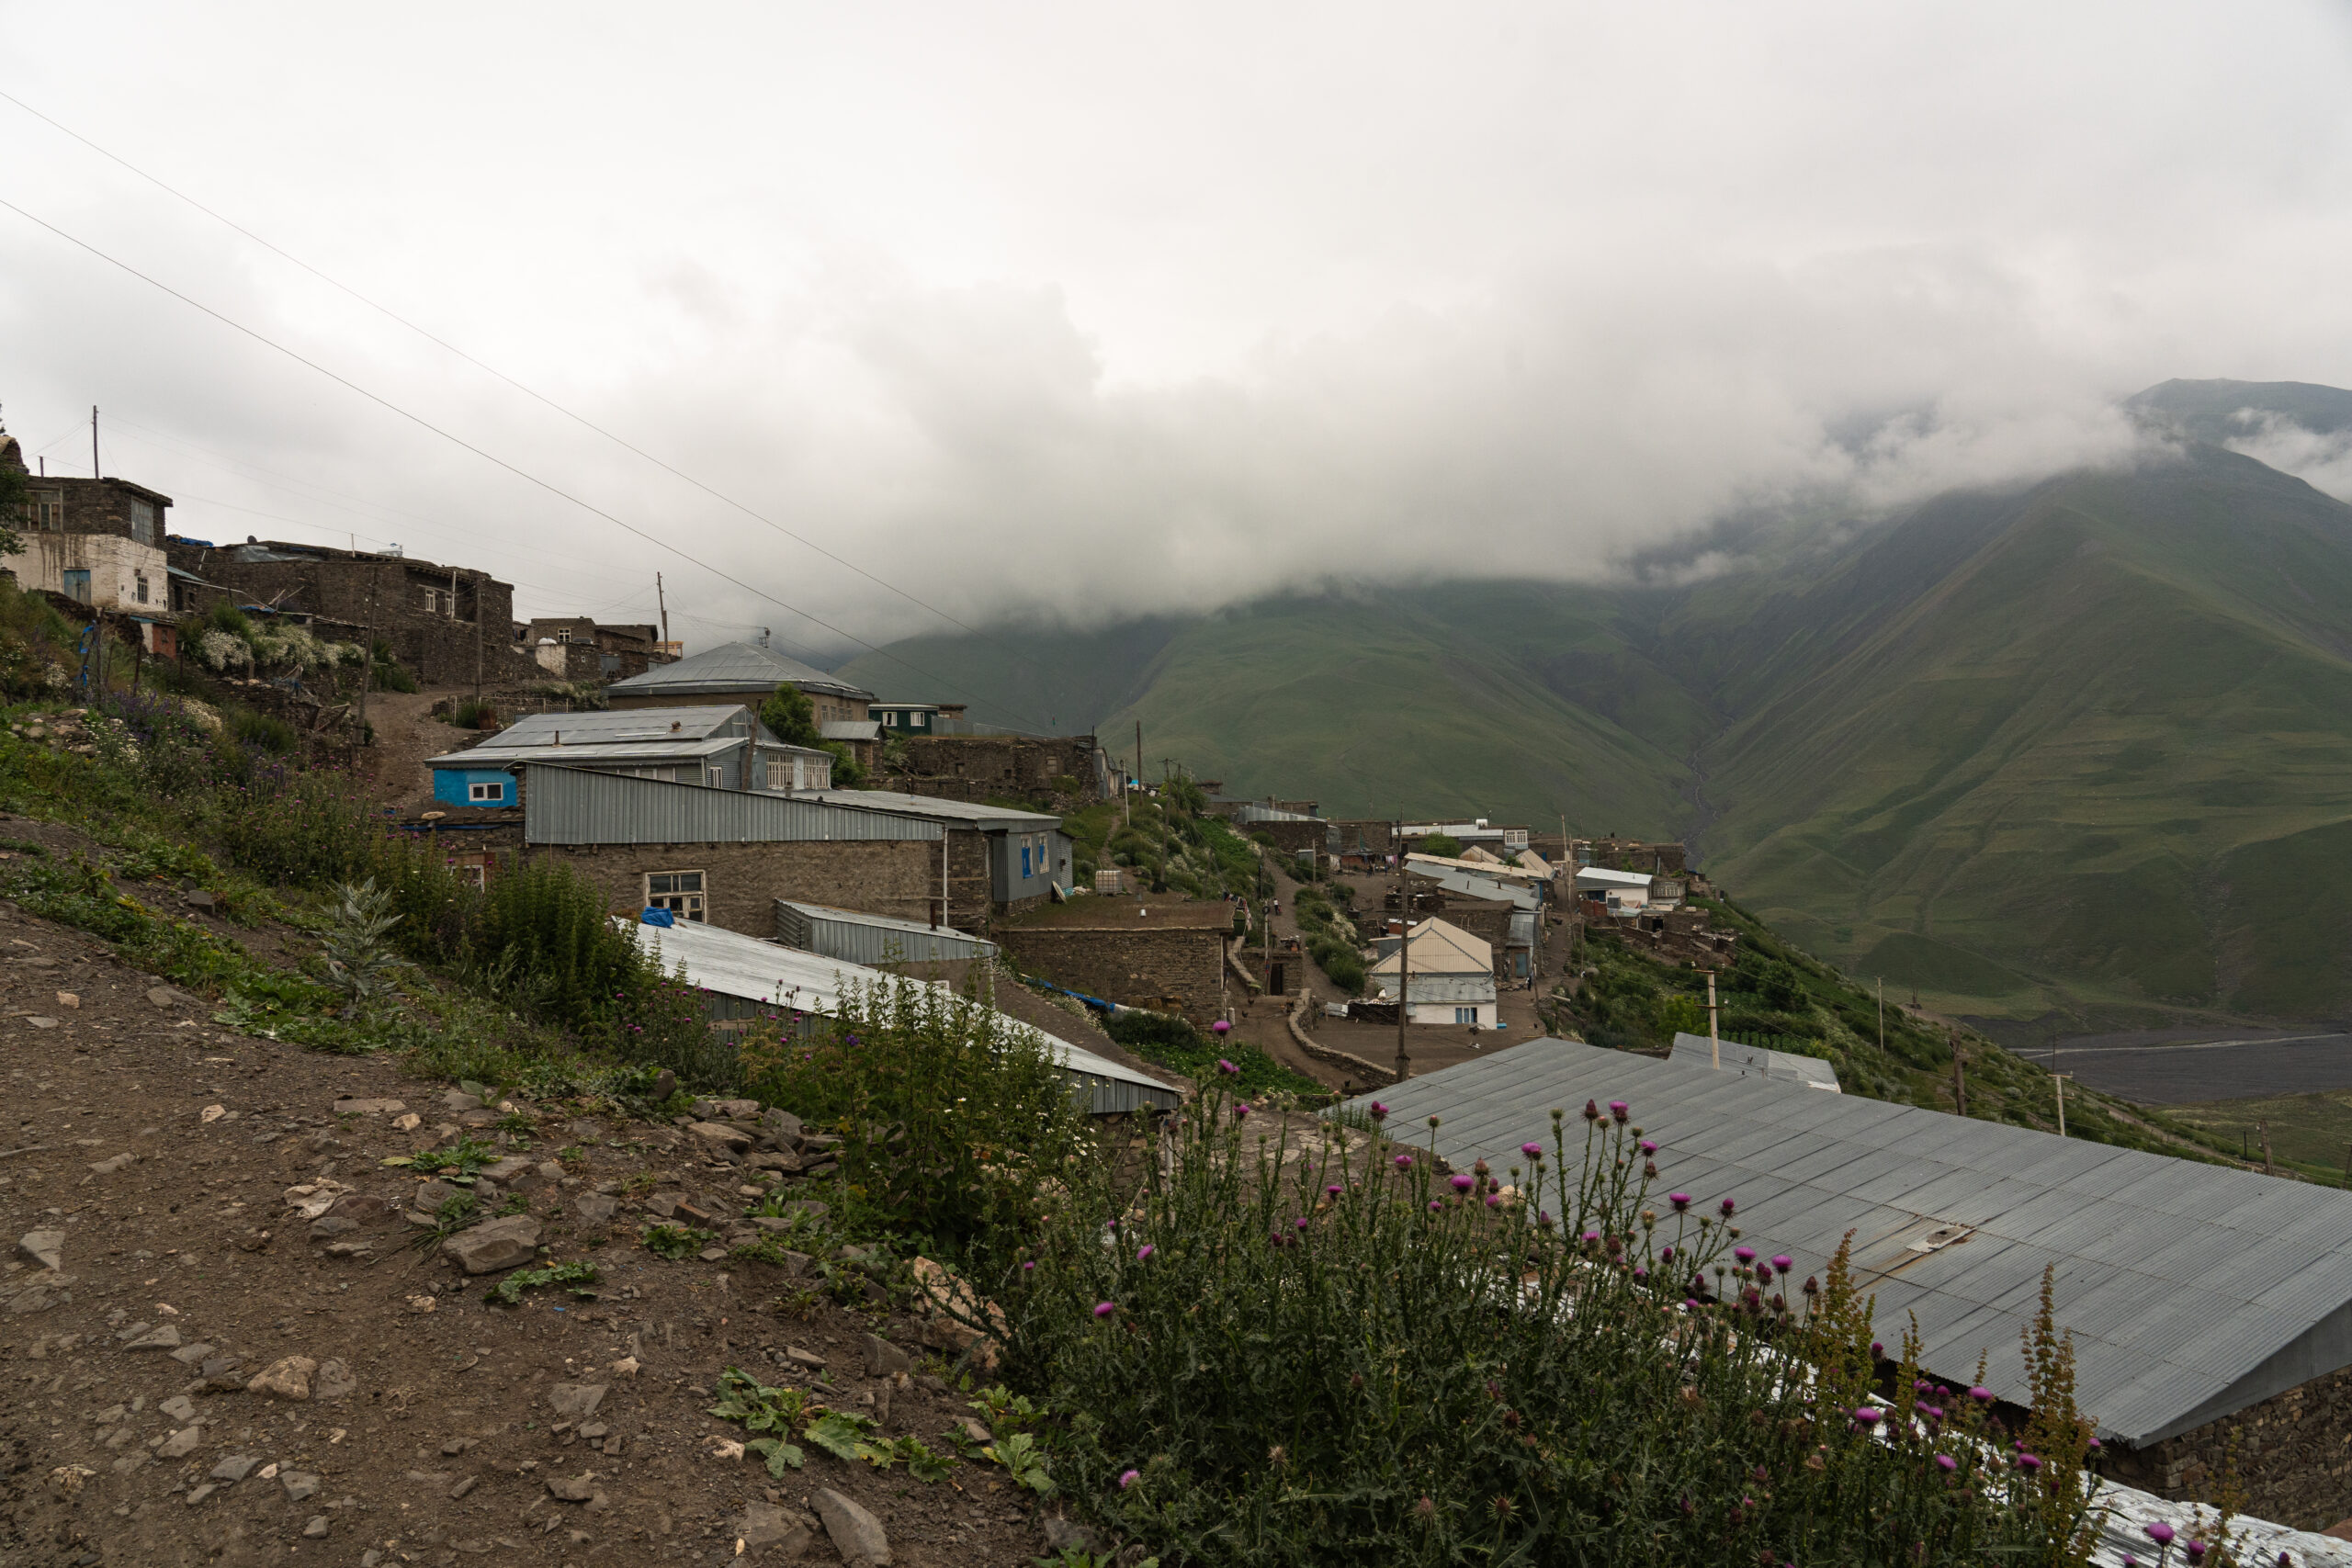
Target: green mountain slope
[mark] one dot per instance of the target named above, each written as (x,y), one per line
(2087,745)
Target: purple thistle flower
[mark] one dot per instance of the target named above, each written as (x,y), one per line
(2160,1533)
(1666,1255)
(1105,1309)
(1435,1205)
(1877,1351)
(1726,1206)
(1240,1111)
(1866,1416)
(1690,1304)
(1648,1148)
(1029,1268)
(1783,1262)
(1300,1222)
(1592,1235)
(1494,1200)
(1463,1183)
(1533,1150)
(1763,1273)
(1945,1462)
(1619,1110)
(1404,1162)
(1129,1478)
(1379,1111)
(1984,1396)
(1333,1191)
(2029,1463)
(1745,1253)
(1224,1067)
(1680,1201)
(1143,1253)
(1640,1273)
(2093,1445)
(1591,1110)
(2196,1550)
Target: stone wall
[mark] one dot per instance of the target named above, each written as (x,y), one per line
(742,881)
(1290,836)
(1180,968)
(100,506)
(1359,835)
(2294,1458)
(988,765)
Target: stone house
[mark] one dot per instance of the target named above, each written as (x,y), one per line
(98,542)
(739,672)
(449,625)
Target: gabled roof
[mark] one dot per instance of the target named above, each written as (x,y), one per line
(2193,1291)
(1440,947)
(734,668)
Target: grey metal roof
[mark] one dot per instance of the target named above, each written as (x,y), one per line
(1255,812)
(1454,880)
(962,813)
(1785,1065)
(2191,1291)
(734,667)
(673,750)
(576,805)
(649,725)
(851,729)
(860,938)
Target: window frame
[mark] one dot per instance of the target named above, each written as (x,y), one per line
(687,903)
(474,788)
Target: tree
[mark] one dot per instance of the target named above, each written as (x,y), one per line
(791,717)
(13,491)
(1443,845)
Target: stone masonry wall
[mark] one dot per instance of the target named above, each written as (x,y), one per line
(742,882)
(1290,836)
(1138,968)
(1002,765)
(2294,1458)
(392,594)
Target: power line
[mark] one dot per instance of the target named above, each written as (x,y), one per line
(583,420)
(483,453)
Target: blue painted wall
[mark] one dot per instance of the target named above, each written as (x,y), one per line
(451,785)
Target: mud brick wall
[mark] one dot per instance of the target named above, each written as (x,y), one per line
(1290,836)
(1135,966)
(742,881)
(2294,1458)
(1003,764)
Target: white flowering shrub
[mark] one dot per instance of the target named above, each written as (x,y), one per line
(223,652)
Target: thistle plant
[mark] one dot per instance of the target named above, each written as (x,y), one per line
(1331,1349)
(356,953)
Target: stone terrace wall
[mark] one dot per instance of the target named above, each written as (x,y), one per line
(742,881)
(1142,968)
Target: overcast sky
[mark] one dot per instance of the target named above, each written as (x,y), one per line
(1078,310)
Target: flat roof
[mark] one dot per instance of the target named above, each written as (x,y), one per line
(938,810)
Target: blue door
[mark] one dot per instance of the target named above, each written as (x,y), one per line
(78,585)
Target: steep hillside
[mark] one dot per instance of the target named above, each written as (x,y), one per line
(2079,746)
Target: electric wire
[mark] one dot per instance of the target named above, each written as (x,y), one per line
(483,453)
(492,370)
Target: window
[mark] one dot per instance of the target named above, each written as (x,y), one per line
(714,775)
(890,718)
(142,520)
(779,775)
(138,586)
(680,892)
(563,634)
(491,794)
(432,601)
(46,510)
(1465,1015)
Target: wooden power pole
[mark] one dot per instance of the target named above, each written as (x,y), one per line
(1959,1078)
(1404,956)
(663,601)
(478,581)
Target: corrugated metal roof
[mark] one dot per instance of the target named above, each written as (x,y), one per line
(2191,1290)
(963,813)
(1701,1052)
(672,750)
(602,727)
(765,973)
(734,667)
(861,938)
(575,806)
(1253,811)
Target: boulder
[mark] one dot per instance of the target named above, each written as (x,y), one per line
(763,1524)
(45,1247)
(575,1401)
(721,1139)
(288,1377)
(883,1359)
(857,1535)
(596,1208)
(506,1242)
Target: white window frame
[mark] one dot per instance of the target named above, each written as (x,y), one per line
(138,586)
(481,790)
(1465,1015)
(688,903)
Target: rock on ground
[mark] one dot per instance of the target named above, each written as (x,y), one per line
(857,1535)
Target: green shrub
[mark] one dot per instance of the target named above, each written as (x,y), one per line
(949,1115)
(272,735)
(1444,845)
(1274,1357)
(1174,1042)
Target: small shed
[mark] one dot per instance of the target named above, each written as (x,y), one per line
(856,937)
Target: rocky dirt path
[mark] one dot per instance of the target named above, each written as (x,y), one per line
(407,735)
(216,1345)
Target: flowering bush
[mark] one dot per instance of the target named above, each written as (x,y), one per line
(1339,1354)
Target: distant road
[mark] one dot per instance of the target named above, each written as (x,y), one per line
(2178,1066)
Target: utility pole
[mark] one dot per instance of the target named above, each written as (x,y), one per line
(95,472)
(2267,1169)
(478,643)
(1714,1036)
(1882,1015)
(1404,956)
(2059,1080)
(368,662)
(1138,753)
(662,600)
(1959,1078)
